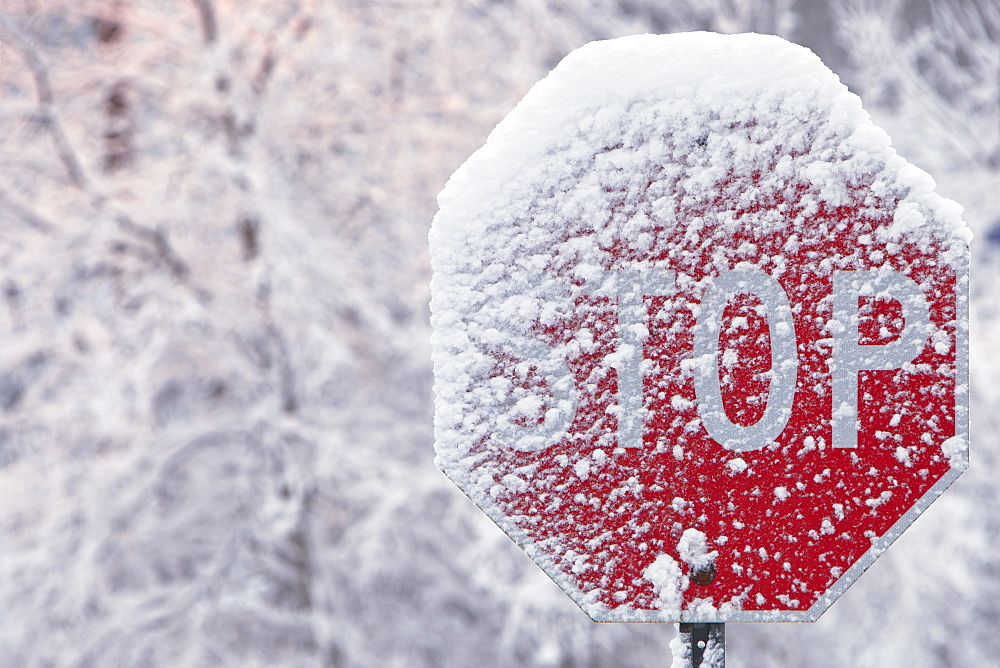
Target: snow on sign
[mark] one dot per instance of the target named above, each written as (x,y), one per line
(699,333)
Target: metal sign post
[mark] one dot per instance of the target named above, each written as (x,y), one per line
(702,645)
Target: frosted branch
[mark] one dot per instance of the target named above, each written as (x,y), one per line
(50,120)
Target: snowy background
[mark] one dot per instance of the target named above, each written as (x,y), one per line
(215,409)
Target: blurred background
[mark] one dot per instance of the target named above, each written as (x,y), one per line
(215,382)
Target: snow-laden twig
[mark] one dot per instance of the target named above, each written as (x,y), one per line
(46,101)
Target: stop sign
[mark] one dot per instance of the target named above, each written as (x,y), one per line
(700,335)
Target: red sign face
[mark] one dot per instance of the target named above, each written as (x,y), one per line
(703,361)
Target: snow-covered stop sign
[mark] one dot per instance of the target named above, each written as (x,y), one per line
(700,335)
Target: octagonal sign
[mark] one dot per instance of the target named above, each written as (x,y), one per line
(700,335)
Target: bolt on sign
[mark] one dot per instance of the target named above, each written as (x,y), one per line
(700,334)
